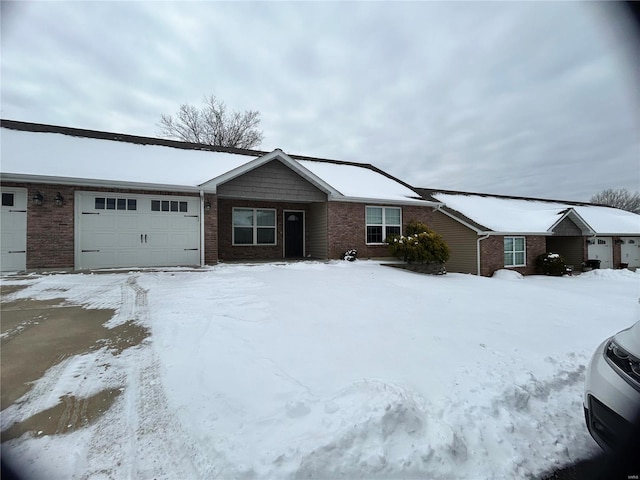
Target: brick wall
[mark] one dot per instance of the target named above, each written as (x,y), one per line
(226,249)
(492,254)
(50,229)
(211,230)
(347,228)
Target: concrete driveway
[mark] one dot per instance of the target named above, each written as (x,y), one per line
(37,335)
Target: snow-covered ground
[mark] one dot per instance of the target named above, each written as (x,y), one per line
(326,370)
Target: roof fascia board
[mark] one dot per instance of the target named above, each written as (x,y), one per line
(603,234)
(384,201)
(88,182)
(519,234)
(275,155)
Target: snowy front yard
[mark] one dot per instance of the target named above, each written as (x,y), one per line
(325,370)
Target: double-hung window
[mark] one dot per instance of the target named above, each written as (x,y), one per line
(514,252)
(254,226)
(382,222)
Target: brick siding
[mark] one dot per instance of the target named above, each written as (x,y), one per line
(347,228)
(226,249)
(492,255)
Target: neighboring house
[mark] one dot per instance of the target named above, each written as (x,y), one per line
(489,232)
(82,199)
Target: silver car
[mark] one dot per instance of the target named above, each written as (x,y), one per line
(612,389)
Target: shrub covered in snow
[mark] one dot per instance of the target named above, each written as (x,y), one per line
(419,244)
(350,255)
(551,264)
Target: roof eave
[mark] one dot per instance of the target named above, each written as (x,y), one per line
(517,234)
(384,201)
(90,182)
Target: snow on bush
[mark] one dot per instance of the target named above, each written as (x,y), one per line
(350,255)
(551,264)
(419,245)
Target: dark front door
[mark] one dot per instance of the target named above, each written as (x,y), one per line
(293,234)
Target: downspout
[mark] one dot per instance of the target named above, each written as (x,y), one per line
(201,228)
(478,252)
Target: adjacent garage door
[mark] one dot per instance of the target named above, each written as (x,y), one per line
(630,251)
(600,249)
(125,230)
(13,228)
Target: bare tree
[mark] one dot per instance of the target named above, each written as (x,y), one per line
(213,125)
(620,198)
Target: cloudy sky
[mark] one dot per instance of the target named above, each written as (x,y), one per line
(536,99)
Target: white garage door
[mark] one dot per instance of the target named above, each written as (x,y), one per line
(13,228)
(125,230)
(600,249)
(630,251)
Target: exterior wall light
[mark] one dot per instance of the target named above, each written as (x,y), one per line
(207,206)
(58,200)
(38,199)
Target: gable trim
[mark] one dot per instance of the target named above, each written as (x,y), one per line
(572,215)
(277,154)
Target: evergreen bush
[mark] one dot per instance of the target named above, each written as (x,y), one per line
(551,264)
(420,244)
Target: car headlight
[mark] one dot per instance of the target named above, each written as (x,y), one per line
(626,364)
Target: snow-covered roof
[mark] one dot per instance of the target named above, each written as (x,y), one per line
(519,215)
(74,157)
(357,182)
(70,157)
(607,220)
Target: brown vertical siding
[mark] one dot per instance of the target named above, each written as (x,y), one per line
(571,248)
(272,181)
(461,241)
(317,230)
(567,228)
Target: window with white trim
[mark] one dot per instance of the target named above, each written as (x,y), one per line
(254,226)
(514,252)
(382,222)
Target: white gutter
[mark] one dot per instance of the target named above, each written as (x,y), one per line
(383,201)
(91,182)
(478,251)
(201,228)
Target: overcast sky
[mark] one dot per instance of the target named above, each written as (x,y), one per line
(536,99)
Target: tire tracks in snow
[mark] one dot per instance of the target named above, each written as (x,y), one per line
(141,437)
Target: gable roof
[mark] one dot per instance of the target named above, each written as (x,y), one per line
(501,214)
(54,154)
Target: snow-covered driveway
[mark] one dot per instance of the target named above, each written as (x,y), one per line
(324,370)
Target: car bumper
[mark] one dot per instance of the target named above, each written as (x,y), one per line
(611,404)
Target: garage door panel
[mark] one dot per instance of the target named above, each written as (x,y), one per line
(129,222)
(13,225)
(630,251)
(600,248)
(141,237)
(159,222)
(100,222)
